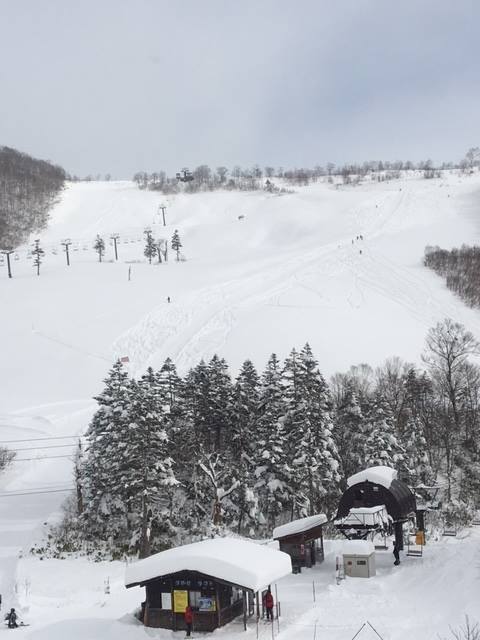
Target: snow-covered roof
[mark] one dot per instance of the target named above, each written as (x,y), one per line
(299,526)
(361,510)
(243,563)
(358,548)
(370,516)
(379,475)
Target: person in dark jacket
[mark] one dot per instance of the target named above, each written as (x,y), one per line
(12,619)
(396,553)
(269,604)
(188,619)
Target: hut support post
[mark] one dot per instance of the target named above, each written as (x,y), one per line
(217,603)
(244,595)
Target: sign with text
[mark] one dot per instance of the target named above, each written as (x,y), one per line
(180,601)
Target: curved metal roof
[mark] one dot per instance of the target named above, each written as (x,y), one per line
(397,498)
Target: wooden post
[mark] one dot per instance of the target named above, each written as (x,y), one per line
(217,603)
(244,593)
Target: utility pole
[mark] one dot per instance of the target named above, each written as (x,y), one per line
(115,237)
(162,208)
(66,243)
(8,253)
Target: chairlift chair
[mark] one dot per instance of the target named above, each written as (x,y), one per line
(415,544)
(449,530)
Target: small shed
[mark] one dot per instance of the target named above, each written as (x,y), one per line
(303,540)
(219,579)
(359,558)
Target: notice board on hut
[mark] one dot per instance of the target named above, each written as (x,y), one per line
(180,601)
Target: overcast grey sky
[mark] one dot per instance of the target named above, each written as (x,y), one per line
(125,85)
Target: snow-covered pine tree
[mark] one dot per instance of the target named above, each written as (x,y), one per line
(243,445)
(272,471)
(99,246)
(309,428)
(149,475)
(381,445)
(219,417)
(104,515)
(38,254)
(196,444)
(415,468)
(176,243)
(170,384)
(349,432)
(150,249)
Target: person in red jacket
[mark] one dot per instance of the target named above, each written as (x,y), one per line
(188,619)
(269,604)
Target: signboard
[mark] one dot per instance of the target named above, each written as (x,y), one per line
(180,601)
(206,603)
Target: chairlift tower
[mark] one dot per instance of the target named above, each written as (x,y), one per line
(162,208)
(66,243)
(8,253)
(115,237)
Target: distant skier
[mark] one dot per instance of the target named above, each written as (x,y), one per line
(12,619)
(168,299)
(396,553)
(188,619)
(268,601)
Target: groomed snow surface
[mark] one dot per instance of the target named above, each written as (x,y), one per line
(294,269)
(242,563)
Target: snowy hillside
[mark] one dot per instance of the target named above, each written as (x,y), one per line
(287,273)
(293,269)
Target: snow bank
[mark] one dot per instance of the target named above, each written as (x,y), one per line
(379,475)
(243,563)
(299,526)
(358,548)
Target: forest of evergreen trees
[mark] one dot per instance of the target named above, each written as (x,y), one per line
(28,189)
(460,268)
(167,459)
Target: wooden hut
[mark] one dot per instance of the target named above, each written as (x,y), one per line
(303,540)
(219,579)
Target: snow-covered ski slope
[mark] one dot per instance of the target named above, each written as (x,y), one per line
(290,271)
(285,274)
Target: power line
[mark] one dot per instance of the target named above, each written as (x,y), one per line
(34,493)
(37,439)
(40,458)
(45,446)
